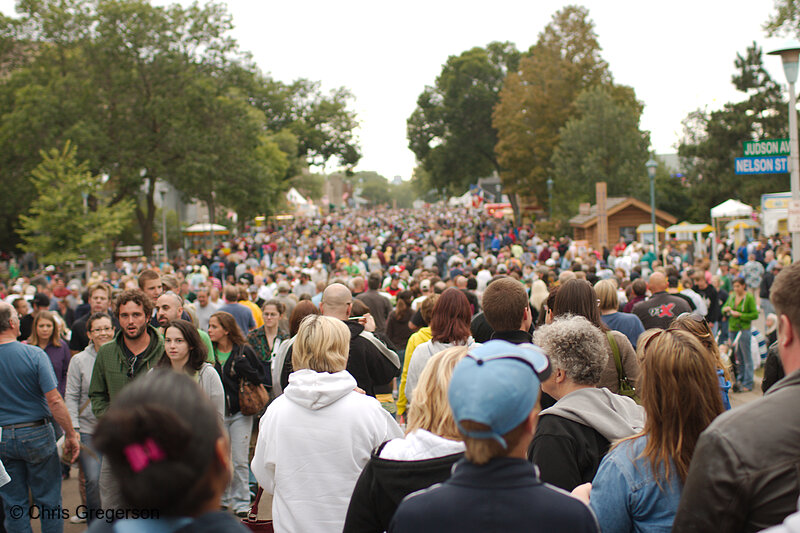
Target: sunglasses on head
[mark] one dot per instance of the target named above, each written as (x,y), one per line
(694,315)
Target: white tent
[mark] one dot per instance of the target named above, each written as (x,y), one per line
(465,200)
(204,228)
(295,198)
(731,209)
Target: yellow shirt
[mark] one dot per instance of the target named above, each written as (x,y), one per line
(423,335)
(257,315)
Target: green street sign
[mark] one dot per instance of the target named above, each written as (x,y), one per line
(766,147)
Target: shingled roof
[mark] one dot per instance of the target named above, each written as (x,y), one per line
(614,204)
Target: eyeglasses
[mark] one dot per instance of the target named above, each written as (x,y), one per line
(101,330)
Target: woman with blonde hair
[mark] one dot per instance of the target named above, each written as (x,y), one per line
(626,323)
(315,439)
(424,457)
(639,482)
(46,334)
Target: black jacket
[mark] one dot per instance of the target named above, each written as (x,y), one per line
(505,495)
(242,363)
(743,475)
(566,452)
(371,362)
(384,483)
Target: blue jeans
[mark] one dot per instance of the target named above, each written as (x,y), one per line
(30,457)
(90,463)
(744,359)
(237,496)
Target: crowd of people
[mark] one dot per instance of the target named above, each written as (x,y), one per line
(426,371)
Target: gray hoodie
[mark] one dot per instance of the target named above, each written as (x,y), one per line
(611,415)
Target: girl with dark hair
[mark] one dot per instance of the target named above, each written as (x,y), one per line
(185,352)
(397,329)
(578,297)
(235,360)
(170,455)
(449,327)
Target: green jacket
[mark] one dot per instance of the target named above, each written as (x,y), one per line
(111,368)
(748,309)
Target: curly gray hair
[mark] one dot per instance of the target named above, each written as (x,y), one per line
(575,346)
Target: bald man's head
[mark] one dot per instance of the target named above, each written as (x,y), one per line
(336,301)
(657,282)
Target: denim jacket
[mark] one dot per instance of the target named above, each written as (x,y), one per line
(625,496)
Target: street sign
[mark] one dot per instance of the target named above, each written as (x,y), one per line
(766,147)
(762,165)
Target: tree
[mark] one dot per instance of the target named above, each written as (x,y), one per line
(537,101)
(372,187)
(71,216)
(785,21)
(157,94)
(451,131)
(713,140)
(601,142)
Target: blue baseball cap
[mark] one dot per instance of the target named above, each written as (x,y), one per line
(497,384)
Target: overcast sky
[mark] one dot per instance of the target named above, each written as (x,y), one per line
(677,55)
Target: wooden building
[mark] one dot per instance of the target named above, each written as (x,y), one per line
(624,216)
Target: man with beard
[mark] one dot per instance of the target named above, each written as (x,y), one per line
(169,307)
(136,349)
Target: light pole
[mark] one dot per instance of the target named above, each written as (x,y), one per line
(164,221)
(550,198)
(790,53)
(651,172)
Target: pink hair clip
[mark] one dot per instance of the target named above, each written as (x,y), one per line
(141,455)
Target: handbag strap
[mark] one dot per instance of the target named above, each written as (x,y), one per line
(617,361)
(253,514)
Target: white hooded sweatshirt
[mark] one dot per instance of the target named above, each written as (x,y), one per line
(313,442)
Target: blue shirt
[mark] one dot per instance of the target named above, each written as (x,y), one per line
(242,315)
(626,323)
(26,374)
(625,495)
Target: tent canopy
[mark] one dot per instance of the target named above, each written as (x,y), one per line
(731,208)
(648,228)
(205,228)
(688,227)
(742,223)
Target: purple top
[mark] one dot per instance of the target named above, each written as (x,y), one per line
(59,357)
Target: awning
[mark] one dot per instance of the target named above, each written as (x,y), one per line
(205,228)
(688,227)
(648,228)
(742,223)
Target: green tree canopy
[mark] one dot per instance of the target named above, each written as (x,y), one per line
(71,216)
(713,140)
(536,102)
(451,130)
(153,94)
(601,142)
